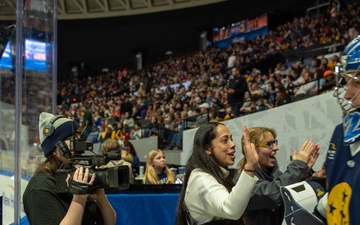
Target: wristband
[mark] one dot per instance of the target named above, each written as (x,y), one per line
(78,188)
(251,171)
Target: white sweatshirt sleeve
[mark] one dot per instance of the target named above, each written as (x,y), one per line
(207,200)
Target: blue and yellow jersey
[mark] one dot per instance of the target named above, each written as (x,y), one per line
(343,174)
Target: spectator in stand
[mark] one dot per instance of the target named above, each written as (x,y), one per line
(117,112)
(324,39)
(231,60)
(119,133)
(202,118)
(304,90)
(87,120)
(191,123)
(126,106)
(270,91)
(129,147)
(170,127)
(209,97)
(246,104)
(255,89)
(353,31)
(263,104)
(333,10)
(107,113)
(298,80)
(139,111)
(137,132)
(187,110)
(333,62)
(226,114)
(178,106)
(328,85)
(153,127)
(176,140)
(109,133)
(318,77)
(128,121)
(150,112)
(213,116)
(282,97)
(156,171)
(181,92)
(94,135)
(287,83)
(236,90)
(315,63)
(325,62)
(217,101)
(99,138)
(97,119)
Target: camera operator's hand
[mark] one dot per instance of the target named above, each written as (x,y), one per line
(77,206)
(82,176)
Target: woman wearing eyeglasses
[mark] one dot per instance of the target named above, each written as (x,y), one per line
(266,205)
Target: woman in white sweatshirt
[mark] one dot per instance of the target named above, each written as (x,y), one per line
(208,194)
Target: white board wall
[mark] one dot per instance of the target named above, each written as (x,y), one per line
(310,119)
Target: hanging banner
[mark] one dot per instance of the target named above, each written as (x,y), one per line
(240,31)
(242,37)
(237,28)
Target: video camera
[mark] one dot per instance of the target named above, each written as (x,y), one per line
(114,178)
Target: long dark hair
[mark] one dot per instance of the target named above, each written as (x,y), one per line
(208,163)
(131,147)
(50,165)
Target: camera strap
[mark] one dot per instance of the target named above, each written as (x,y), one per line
(78,188)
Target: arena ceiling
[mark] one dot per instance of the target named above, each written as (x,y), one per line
(89,9)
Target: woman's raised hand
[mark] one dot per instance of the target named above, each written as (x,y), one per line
(305,152)
(313,156)
(251,155)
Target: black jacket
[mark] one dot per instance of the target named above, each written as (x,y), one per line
(239,85)
(266,205)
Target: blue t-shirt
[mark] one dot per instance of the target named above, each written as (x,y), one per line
(162,178)
(136,162)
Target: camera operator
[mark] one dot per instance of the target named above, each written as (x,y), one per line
(42,204)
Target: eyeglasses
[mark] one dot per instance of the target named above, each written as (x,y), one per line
(269,144)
